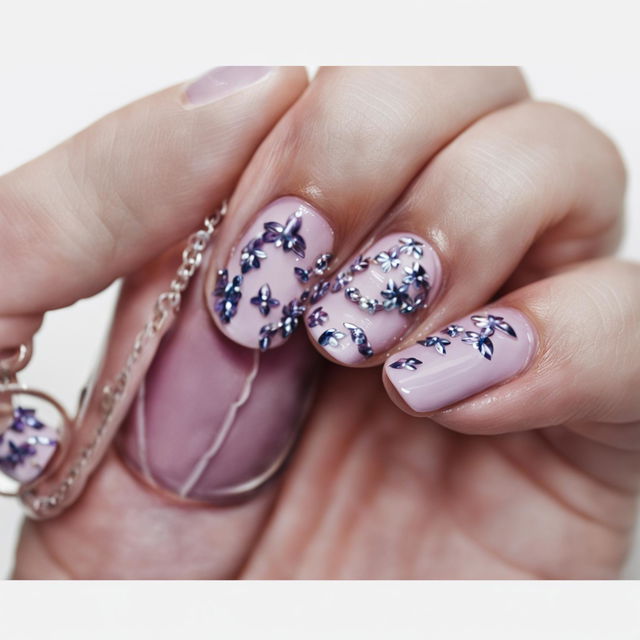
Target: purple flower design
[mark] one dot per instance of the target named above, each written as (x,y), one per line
(453,330)
(410,364)
(342,280)
(417,276)
(388,259)
(266,334)
(286,236)
(481,342)
(322,263)
(17,454)
(359,337)
(291,314)
(251,255)
(331,338)
(440,344)
(411,247)
(229,294)
(264,301)
(396,296)
(359,265)
(317,317)
(319,291)
(303,275)
(23,418)
(491,323)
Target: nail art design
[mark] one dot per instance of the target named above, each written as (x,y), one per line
(491,323)
(378,293)
(359,338)
(317,317)
(264,301)
(453,330)
(283,255)
(406,363)
(228,294)
(251,255)
(439,344)
(286,236)
(480,351)
(388,259)
(331,337)
(26,445)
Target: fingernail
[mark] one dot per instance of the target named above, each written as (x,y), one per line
(27,443)
(222,82)
(273,274)
(213,421)
(372,303)
(464,358)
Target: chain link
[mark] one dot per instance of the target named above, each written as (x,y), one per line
(165,307)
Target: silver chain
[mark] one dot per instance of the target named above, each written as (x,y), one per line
(166,306)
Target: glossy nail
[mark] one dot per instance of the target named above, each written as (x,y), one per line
(26,443)
(464,358)
(273,274)
(222,82)
(372,302)
(213,421)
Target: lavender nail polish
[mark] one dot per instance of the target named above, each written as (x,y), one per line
(374,300)
(462,359)
(273,274)
(213,420)
(222,82)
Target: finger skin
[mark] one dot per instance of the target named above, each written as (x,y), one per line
(586,365)
(120,192)
(521,192)
(348,148)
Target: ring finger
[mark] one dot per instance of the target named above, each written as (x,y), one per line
(519,193)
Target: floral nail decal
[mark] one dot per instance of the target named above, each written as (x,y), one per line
(388,259)
(319,291)
(264,301)
(251,255)
(395,296)
(412,247)
(440,344)
(453,330)
(18,453)
(229,294)
(492,323)
(359,338)
(286,236)
(317,317)
(416,275)
(410,364)
(24,418)
(331,338)
(479,340)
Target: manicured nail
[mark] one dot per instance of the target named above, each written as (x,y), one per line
(222,82)
(464,358)
(213,421)
(273,274)
(372,303)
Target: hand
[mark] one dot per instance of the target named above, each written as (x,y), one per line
(521,464)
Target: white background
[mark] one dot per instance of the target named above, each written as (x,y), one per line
(62,65)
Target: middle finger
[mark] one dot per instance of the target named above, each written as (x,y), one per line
(330,169)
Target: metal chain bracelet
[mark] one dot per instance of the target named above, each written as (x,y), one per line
(166,306)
